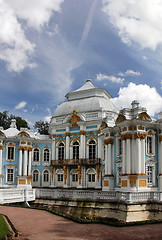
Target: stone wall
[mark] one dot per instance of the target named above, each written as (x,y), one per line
(102,211)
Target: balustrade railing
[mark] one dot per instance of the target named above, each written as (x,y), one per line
(75,162)
(70,194)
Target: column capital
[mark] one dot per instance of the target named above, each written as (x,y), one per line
(1,147)
(139,135)
(53,135)
(25,148)
(108,141)
(20,148)
(67,134)
(30,149)
(82,132)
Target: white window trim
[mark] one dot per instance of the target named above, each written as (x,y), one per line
(89,145)
(151,163)
(43,176)
(36,163)
(45,163)
(38,176)
(10,166)
(153,145)
(10,144)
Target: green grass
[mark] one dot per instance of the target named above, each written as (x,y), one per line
(3,228)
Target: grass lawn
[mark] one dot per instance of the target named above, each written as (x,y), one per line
(3,228)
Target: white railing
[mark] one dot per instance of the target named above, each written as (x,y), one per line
(70,194)
(16,195)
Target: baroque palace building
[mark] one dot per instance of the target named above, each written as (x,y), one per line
(92,145)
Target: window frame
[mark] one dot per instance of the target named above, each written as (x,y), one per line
(75,150)
(61,151)
(92,149)
(10,146)
(10,167)
(36,162)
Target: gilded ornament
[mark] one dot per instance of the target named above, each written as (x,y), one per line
(142,183)
(98,131)
(132,180)
(107,134)
(82,132)
(160,138)
(22,142)
(67,134)
(1,147)
(53,135)
(128,136)
(144,116)
(120,118)
(124,129)
(119,135)
(111,134)
(124,183)
(103,125)
(20,148)
(130,128)
(141,128)
(11,144)
(23,134)
(25,148)
(150,133)
(52,171)
(74,119)
(30,149)
(65,173)
(106,183)
(98,171)
(79,174)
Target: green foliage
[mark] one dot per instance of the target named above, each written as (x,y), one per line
(5,121)
(4,231)
(42,127)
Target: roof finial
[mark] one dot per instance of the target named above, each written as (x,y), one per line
(88,80)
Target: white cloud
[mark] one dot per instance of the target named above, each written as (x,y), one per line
(137,21)
(101,77)
(15,48)
(21,105)
(47,118)
(129,73)
(147,96)
(36,12)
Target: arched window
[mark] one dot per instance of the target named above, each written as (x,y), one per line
(46,155)
(75,150)
(46,176)
(35,176)
(61,151)
(119,147)
(36,155)
(150,145)
(92,149)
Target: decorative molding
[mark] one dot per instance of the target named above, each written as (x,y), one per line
(124,183)
(144,116)
(1,147)
(65,173)
(132,180)
(120,118)
(106,183)
(79,173)
(67,134)
(98,171)
(98,131)
(74,119)
(108,141)
(141,127)
(82,132)
(160,138)
(139,135)
(142,183)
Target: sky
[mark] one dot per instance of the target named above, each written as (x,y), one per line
(49,48)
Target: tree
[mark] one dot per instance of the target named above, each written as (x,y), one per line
(5,120)
(42,127)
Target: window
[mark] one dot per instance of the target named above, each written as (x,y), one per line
(10,153)
(46,176)
(35,176)
(149,175)
(91,177)
(119,147)
(149,145)
(61,151)
(10,175)
(92,149)
(92,115)
(60,177)
(46,155)
(75,150)
(74,177)
(36,155)
(119,174)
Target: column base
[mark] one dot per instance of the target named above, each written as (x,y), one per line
(24,182)
(134,182)
(108,183)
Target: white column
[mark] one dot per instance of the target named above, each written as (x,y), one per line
(1,148)
(106,159)
(25,162)
(134,154)
(138,160)
(142,155)
(128,156)
(53,149)
(99,147)
(160,155)
(30,157)
(124,158)
(67,145)
(20,161)
(109,159)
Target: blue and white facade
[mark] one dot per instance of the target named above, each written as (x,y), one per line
(91,145)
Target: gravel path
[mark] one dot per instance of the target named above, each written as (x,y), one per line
(41,225)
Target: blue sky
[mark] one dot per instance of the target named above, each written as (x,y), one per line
(48,48)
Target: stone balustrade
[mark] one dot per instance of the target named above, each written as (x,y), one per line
(129,197)
(16,195)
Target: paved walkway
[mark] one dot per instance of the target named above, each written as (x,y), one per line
(41,225)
